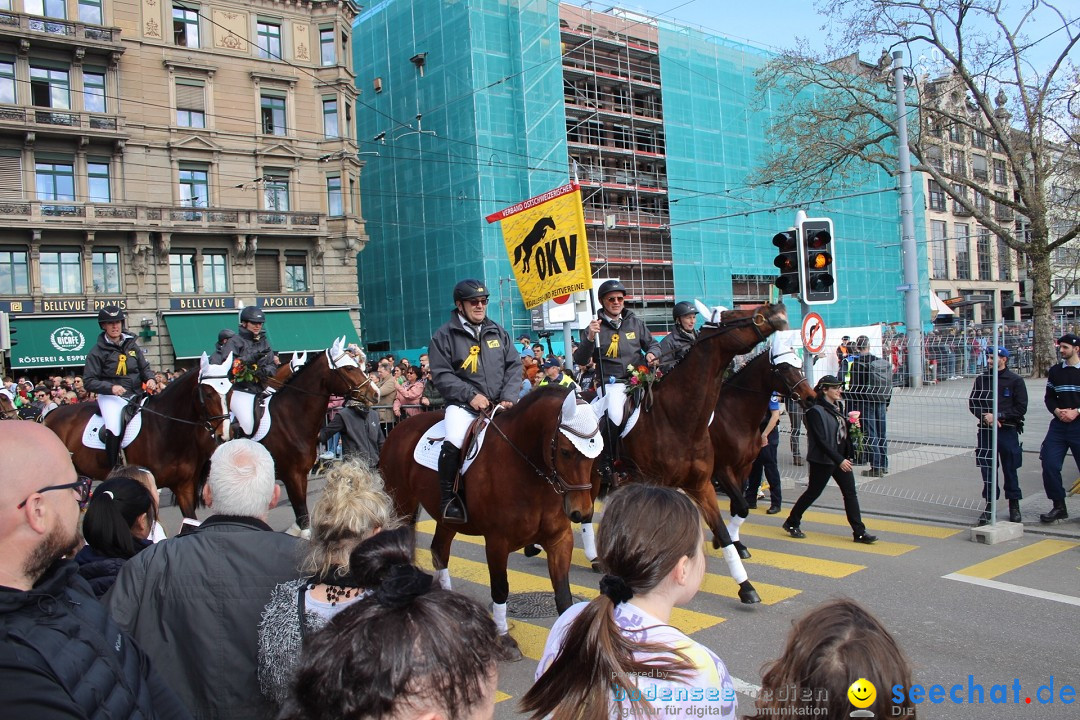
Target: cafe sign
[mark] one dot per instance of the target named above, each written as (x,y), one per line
(52,341)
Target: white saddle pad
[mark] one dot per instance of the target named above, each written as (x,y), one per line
(91,437)
(427,450)
(264,423)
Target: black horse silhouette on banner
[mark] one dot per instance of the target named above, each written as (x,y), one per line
(525,248)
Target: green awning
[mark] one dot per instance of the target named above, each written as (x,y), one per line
(193,334)
(305,330)
(52,340)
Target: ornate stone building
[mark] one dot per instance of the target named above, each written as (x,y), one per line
(181,159)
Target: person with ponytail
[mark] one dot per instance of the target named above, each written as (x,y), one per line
(117,525)
(406,649)
(617,656)
(146,477)
(353,507)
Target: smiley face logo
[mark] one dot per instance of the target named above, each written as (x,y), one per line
(862,693)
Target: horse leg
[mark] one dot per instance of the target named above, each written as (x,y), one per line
(588,544)
(706,500)
(740,510)
(440,553)
(186,499)
(559,555)
(497,554)
(295,481)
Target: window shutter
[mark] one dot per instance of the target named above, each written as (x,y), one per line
(267,275)
(11,177)
(190,96)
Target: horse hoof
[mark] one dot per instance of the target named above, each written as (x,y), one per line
(531,550)
(715,543)
(510,650)
(294,530)
(743,552)
(596,567)
(747,594)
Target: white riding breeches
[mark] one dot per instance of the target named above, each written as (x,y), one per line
(612,402)
(242,406)
(458,419)
(111,408)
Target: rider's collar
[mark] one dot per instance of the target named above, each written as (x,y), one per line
(472,329)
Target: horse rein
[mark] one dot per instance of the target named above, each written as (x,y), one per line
(554,479)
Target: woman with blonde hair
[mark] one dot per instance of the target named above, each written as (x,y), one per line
(353,507)
(618,656)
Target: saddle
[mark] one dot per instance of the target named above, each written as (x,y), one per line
(130,425)
(429,446)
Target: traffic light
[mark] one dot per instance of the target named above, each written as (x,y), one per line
(819,261)
(6,332)
(787,261)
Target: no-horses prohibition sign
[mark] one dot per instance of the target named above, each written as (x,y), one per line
(813,332)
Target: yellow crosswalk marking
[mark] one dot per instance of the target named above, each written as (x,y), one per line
(798,563)
(820,539)
(530,638)
(893,526)
(1017,558)
(500,696)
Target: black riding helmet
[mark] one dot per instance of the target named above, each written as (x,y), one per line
(608,287)
(683,308)
(252,314)
(111,313)
(224,335)
(470,290)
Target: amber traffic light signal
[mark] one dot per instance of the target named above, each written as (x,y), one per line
(818,261)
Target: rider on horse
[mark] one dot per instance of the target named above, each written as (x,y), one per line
(622,339)
(474,364)
(115,367)
(678,342)
(253,366)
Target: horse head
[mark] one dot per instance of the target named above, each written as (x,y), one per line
(298,361)
(7,405)
(214,388)
(741,330)
(787,371)
(359,386)
(577,444)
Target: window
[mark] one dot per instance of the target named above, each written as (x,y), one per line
(182,271)
(105,271)
(268,39)
(14,272)
(345,49)
(333,196)
(956,133)
(7,82)
(55,181)
(1001,177)
(937,247)
(49,87)
(61,272)
(978,139)
(215,272)
(963,257)
(276,190)
(90,11)
(267,274)
(194,185)
(1004,259)
(937,196)
(296,271)
(956,164)
(982,203)
(978,165)
(983,261)
(46,8)
(185,26)
(94,90)
(330,118)
(273,114)
(97,175)
(326,46)
(190,103)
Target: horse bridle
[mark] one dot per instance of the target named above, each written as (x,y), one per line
(757,320)
(353,393)
(557,482)
(211,419)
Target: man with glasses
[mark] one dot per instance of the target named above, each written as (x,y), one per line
(61,655)
(474,365)
(616,339)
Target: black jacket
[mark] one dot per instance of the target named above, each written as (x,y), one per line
(360,433)
(827,434)
(101,570)
(104,369)
(252,350)
(1062,387)
(634,343)
(498,365)
(674,347)
(62,656)
(1012,398)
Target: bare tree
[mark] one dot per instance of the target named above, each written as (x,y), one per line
(842,124)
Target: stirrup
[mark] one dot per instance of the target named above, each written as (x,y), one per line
(454,505)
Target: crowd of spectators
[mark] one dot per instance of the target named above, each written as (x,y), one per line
(36,398)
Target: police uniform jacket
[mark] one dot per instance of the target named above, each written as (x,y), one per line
(252,350)
(633,343)
(674,347)
(1062,387)
(122,364)
(496,371)
(1012,398)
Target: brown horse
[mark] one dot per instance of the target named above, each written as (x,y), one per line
(8,411)
(181,427)
(530,479)
(298,412)
(670,445)
(736,427)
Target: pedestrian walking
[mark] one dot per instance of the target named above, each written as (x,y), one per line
(1009,423)
(829,454)
(1062,400)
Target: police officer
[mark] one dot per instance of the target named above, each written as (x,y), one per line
(554,375)
(678,342)
(474,365)
(251,346)
(621,339)
(1062,399)
(1012,406)
(116,370)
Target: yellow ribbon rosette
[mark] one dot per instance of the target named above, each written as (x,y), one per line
(471,363)
(121,365)
(613,348)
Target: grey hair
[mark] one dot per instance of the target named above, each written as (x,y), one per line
(241,479)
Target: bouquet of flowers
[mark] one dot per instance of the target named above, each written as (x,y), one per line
(642,377)
(858,437)
(242,372)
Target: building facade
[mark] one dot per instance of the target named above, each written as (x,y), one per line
(181,160)
(472,107)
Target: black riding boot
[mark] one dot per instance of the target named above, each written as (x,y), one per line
(112,449)
(1014,511)
(451,504)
